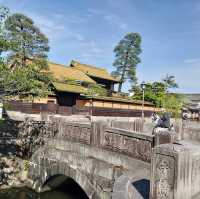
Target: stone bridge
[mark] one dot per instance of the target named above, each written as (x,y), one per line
(108,162)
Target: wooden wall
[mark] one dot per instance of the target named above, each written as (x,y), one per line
(113,105)
(52,99)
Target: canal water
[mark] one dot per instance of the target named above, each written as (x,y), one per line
(24,193)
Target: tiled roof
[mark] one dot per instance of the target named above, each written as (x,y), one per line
(192,97)
(93,71)
(69,88)
(117,99)
(61,72)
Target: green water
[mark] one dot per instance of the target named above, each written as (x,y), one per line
(24,193)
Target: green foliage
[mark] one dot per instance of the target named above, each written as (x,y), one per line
(169,81)
(153,93)
(96,90)
(30,45)
(2,123)
(158,93)
(26,165)
(25,82)
(127,57)
(71,81)
(22,70)
(173,103)
(4,44)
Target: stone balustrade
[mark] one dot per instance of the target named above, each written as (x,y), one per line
(98,134)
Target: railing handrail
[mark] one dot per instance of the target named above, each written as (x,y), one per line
(132,134)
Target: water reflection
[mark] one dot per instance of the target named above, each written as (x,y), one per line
(62,187)
(24,193)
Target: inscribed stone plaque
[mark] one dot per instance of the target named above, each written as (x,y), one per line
(164,177)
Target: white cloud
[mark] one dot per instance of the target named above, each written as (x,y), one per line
(55,28)
(93,12)
(51,27)
(110,18)
(86,55)
(58,16)
(79,37)
(71,19)
(188,75)
(113,19)
(90,49)
(192,61)
(91,46)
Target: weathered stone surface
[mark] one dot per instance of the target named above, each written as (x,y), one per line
(164,136)
(96,156)
(132,144)
(132,126)
(75,132)
(127,186)
(98,134)
(175,171)
(96,170)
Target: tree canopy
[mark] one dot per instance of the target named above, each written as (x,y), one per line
(31,45)
(22,68)
(154,92)
(169,81)
(158,93)
(4,44)
(25,82)
(127,54)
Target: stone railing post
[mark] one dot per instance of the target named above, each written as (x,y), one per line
(98,129)
(164,137)
(171,172)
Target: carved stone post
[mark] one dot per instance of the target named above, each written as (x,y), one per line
(171,172)
(98,130)
(164,136)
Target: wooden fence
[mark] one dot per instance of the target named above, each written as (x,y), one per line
(97,111)
(36,108)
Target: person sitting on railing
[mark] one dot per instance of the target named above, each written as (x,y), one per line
(163,121)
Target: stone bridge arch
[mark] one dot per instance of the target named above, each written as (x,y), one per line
(94,156)
(48,170)
(65,184)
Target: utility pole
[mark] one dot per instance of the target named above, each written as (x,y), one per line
(143,85)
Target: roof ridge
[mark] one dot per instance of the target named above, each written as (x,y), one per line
(91,66)
(189,93)
(64,71)
(65,66)
(61,65)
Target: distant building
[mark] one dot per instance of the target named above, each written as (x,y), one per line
(193,105)
(72,83)
(74,80)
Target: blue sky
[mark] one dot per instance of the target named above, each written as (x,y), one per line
(88,30)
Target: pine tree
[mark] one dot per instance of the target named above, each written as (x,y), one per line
(169,82)
(4,44)
(22,71)
(127,57)
(30,44)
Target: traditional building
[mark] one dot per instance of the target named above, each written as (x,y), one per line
(75,80)
(193,105)
(71,87)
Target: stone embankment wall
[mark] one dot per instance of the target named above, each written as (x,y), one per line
(18,141)
(9,166)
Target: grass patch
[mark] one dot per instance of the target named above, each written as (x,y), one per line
(2,122)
